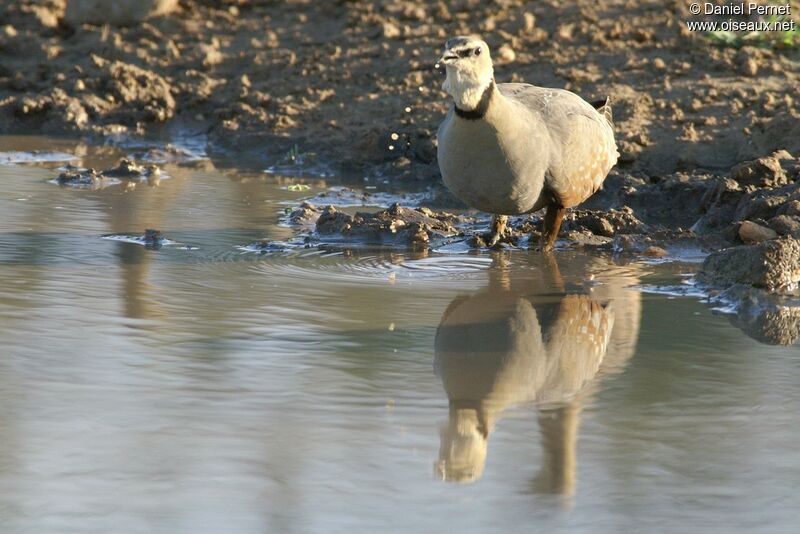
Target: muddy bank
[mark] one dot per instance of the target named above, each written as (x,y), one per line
(353,82)
(709,135)
(757,201)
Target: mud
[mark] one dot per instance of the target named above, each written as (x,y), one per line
(354,84)
(397,225)
(127,172)
(84,178)
(153,239)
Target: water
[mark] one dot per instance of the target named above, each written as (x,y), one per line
(199,388)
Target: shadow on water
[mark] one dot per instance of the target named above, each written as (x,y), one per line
(537,340)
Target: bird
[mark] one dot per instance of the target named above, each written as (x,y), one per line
(515,148)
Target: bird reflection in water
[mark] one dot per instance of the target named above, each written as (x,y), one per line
(527,339)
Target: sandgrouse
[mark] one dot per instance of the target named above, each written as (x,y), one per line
(514,148)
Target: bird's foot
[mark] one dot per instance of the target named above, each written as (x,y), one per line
(492,239)
(545,246)
(498,231)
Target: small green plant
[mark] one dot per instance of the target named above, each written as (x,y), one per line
(295,156)
(789,38)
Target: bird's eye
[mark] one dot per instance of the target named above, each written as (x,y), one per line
(477,51)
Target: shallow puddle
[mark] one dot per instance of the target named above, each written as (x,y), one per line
(201,386)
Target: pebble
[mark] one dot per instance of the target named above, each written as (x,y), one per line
(749,67)
(750,232)
(655,252)
(506,54)
(390,31)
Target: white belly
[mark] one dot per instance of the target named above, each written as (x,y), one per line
(477,170)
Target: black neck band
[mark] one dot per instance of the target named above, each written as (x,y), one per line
(480,109)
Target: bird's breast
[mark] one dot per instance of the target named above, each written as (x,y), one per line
(479,168)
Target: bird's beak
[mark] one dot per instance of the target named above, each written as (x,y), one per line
(447,57)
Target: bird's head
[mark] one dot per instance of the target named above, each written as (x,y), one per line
(469,70)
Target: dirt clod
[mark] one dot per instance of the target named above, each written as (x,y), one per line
(761,172)
(605,223)
(772,265)
(786,225)
(126,171)
(153,239)
(396,225)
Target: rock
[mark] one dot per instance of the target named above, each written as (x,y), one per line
(75,114)
(265,246)
(786,225)
(306,214)
(127,169)
(76,177)
(653,243)
(528,21)
(749,67)
(333,221)
(506,54)
(211,54)
(588,239)
(390,31)
(116,12)
(142,90)
(750,232)
(772,265)
(605,223)
(760,204)
(685,194)
(153,238)
(396,225)
(761,172)
(655,252)
(790,208)
(564,32)
(719,202)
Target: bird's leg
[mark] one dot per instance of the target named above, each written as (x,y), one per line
(499,223)
(552,224)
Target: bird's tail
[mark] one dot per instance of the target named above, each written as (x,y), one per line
(604,108)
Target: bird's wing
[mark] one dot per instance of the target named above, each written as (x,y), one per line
(583,148)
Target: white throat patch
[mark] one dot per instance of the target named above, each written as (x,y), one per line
(466,85)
